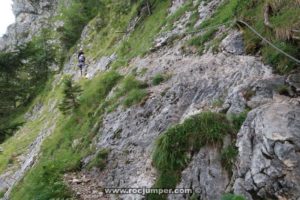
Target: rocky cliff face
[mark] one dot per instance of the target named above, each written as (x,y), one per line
(268,162)
(31,17)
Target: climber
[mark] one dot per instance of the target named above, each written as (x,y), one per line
(81,60)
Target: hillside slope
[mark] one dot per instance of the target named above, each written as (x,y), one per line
(177,94)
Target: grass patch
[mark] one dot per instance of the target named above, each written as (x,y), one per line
(134,96)
(75,17)
(2,193)
(158,79)
(248,94)
(100,159)
(141,39)
(232,197)
(237,120)
(217,103)
(283,19)
(44,180)
(228,156)
(283,90)
(129,92)
(176,145)
(199,41)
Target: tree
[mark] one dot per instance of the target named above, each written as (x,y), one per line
(71,96)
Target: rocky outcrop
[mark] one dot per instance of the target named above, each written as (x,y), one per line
(31,17)
(268,165)
(195,83)
(205,175)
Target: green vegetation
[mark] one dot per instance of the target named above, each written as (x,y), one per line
(75,17)
(218,103)
(141,39)
(71,93)
(158,78)
(237,120)
(248,94)
(228,156)
(23,74)
(44,180)
(199,41)
(283,90)
(2,193)
(174,148)
(100,159)
(232,197)
(283,19)
(132,90)
(134,96)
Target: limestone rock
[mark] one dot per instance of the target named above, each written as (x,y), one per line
(233,43)
(294,80)
(269,159)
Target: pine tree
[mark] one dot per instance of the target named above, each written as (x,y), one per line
(71,96)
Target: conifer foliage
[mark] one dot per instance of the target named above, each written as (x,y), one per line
(71,93)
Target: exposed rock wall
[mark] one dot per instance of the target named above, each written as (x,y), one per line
(31,17)
(269,160)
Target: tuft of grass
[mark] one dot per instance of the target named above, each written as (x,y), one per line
(228,156)
(174,148)
(199,41)
(283,90)
(248,94)
(217,103)
(2,193)
(232,197)
(134,96)
(237,120)
(158,78)
(100,159)
(131,89)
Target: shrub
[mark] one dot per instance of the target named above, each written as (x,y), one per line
(71,96)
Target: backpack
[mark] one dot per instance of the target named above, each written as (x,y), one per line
(81,58)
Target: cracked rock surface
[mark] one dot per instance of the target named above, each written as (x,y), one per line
(269,156)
